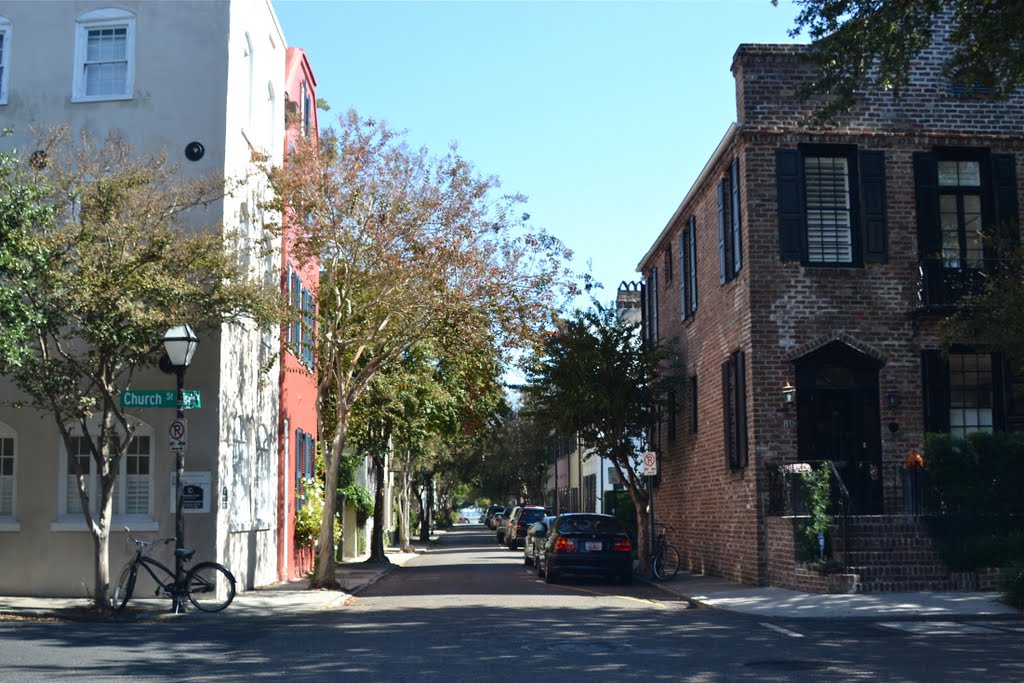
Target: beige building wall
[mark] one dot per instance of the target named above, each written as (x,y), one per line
(210,72)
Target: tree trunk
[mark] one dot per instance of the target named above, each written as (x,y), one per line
(324,576)
(404,531)
(428,510)
(377,537)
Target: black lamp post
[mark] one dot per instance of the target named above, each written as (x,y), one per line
(180,343)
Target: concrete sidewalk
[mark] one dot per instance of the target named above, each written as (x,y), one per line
(289,597)
(767,601)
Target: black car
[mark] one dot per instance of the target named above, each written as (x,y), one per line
(584,543)
(522,518)
(534,539)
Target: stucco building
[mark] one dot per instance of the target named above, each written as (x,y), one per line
(204,82)
(801,280)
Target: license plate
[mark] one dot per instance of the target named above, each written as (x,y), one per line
(593,545)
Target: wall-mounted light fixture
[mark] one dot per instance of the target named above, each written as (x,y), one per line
(893,399)
(788,393)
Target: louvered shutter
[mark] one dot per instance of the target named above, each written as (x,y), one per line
(1004,179)
(935,378)
(741,410)
(872,203)
(684,295)
(693,264)
(789,181)
(723,263)
(737,232)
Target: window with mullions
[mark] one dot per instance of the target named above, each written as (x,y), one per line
(970,393)
(132,489)
(104,55)
(960,216)
(831,203)
(8,453)
(829,211)
(5,49)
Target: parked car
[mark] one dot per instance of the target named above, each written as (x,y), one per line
(534,539)
(522,518)
(489,515)
(499,527)
(506,517)
(586,543)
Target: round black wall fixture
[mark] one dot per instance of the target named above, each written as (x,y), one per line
(194,151)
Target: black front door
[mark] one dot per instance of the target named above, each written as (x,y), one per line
(837,395)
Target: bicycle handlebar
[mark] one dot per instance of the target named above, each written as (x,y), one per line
(143,544)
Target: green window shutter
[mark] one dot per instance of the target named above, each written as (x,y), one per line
(872,192)
(790,190)
(742,458)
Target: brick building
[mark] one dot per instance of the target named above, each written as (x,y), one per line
(801,279)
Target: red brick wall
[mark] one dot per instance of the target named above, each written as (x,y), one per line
(777,311)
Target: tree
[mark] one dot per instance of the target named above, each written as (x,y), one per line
(99,255)
(599,378)
(862,44)
(410,247)
(993,316)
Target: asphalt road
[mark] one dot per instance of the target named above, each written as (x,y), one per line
(468,610)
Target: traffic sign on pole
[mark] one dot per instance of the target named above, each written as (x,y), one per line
(177,435)
(650,464)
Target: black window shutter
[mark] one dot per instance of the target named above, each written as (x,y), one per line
(872,193)
(693,264)
(1004,179)
(999,397)
(935,379)
(741,410)
(926,184)
(727,414)
(684,301)
(737,232)
(789,179)
(722,260)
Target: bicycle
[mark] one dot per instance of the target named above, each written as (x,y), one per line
(665,557)
(200,586)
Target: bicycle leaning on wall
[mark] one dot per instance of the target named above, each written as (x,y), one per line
(201,582)
(664,558)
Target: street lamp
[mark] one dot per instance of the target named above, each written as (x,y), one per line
(180,343)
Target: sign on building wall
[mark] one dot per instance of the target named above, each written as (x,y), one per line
(197,489)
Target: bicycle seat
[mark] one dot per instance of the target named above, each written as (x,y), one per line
(184,553)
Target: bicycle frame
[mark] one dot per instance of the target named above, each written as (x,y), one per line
(166,589)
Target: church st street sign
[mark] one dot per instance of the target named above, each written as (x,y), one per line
(155,398)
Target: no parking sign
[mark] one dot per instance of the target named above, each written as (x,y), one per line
(650,464)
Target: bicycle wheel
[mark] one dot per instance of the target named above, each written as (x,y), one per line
(210,586)
(666,563)
(124,587)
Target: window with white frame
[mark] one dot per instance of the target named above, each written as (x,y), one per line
(5,59)
(132,494)
(970,393)
(104,56)
(8,456)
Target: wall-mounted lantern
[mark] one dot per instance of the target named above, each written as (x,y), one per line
(893,399)
(788,394)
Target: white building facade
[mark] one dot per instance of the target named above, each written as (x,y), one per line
(203,82)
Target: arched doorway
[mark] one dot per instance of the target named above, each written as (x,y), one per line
(838,419)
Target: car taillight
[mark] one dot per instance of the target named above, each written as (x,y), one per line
(623,546)
(563,544)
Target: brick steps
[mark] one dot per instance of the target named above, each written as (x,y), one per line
(891,554)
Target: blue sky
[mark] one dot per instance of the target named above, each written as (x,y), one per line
(601,113)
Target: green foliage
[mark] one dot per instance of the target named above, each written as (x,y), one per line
(359,497)
(817,492)
(863,44)
(981,501)
(310,516)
